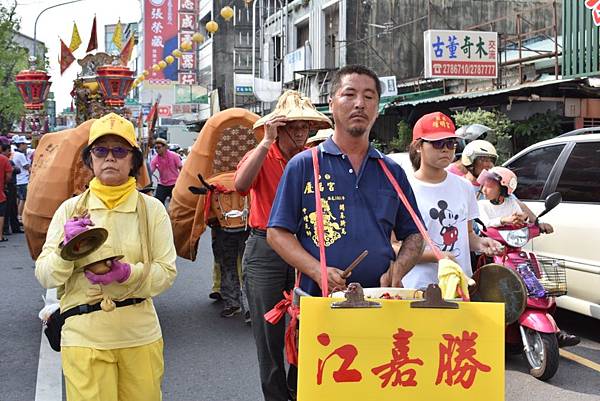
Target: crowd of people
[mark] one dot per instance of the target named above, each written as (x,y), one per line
(311,200)
(15,162)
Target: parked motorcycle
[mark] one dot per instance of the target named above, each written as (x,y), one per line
(528,285)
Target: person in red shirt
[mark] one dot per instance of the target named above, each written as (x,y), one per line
(5,174)
(266,274)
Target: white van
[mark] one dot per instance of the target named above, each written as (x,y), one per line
(569,164)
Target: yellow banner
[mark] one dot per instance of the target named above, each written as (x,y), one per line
(400,353)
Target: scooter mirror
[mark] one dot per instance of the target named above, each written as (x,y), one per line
(551,202)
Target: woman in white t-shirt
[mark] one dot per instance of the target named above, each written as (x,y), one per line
(446,202)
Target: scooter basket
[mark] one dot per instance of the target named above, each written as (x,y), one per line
(552,275)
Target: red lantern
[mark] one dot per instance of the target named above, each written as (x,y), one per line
(115,82)
(34,87)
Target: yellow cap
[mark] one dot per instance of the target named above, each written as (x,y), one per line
(113,124)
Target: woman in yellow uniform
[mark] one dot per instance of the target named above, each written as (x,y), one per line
(112,346)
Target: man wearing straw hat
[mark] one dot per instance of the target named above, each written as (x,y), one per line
(359,204)
(266,274)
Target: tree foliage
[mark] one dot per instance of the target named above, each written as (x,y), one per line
(536,128)
(503,128)
(13,58)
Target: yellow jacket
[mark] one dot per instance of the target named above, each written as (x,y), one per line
(123,327)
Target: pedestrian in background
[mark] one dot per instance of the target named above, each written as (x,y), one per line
(168,164)
(5,173)
(23,163)
(11,222)
(115,350)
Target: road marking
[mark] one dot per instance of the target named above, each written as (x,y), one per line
(580,360)
(49,375)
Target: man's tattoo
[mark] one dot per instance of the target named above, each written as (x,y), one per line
(410,251)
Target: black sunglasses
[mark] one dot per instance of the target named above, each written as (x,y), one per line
(118,152)
(449,143)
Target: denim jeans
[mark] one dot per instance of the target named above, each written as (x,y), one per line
(266,277)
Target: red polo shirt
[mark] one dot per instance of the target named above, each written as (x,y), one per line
(263,189)
(6,169)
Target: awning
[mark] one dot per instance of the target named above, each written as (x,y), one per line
(386,101)
(544,81)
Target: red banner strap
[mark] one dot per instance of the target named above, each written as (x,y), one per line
(320,228)
(438,254)
(274,315)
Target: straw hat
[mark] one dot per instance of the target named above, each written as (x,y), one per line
(320,136)
(297,108)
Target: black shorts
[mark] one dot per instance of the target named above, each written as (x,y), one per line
(2,209)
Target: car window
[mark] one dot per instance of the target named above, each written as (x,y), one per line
(580,178)
(532,170)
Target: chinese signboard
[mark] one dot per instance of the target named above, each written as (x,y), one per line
(593,5)
(388,86)
(188,10)
(191,94)
(244,84)
(294,61)
(461,54)
(160,38)
(165,110)
(401,353)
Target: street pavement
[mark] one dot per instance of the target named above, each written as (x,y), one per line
(209,358)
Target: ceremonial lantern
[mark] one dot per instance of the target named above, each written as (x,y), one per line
(186,46)
(198,37)
(34,87)
(115,82)
(227,13)
(176,53)
(212,26)
(162,64)
(169,59)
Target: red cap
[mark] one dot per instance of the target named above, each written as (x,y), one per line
(433,127)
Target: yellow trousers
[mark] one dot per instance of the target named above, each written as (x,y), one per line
(125,374)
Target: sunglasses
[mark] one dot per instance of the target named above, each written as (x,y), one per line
(118,152)
(449,143)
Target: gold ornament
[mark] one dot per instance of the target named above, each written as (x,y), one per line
(227,13)
(146,73)
(162,64)
(198,37)
(186,46)
(212,26)
(156,67)
(169,59)
(177,53)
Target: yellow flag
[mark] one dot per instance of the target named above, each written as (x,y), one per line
(118,36)
(75,39)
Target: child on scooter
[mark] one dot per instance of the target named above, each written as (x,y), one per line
(499,208)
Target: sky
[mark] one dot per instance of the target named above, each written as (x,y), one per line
(58,22)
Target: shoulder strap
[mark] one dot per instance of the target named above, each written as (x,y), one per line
(145,242)
(436,251)
(320,228)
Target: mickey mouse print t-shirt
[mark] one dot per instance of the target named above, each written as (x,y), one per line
(446,208)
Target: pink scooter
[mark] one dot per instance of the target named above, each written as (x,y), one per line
(535,330)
